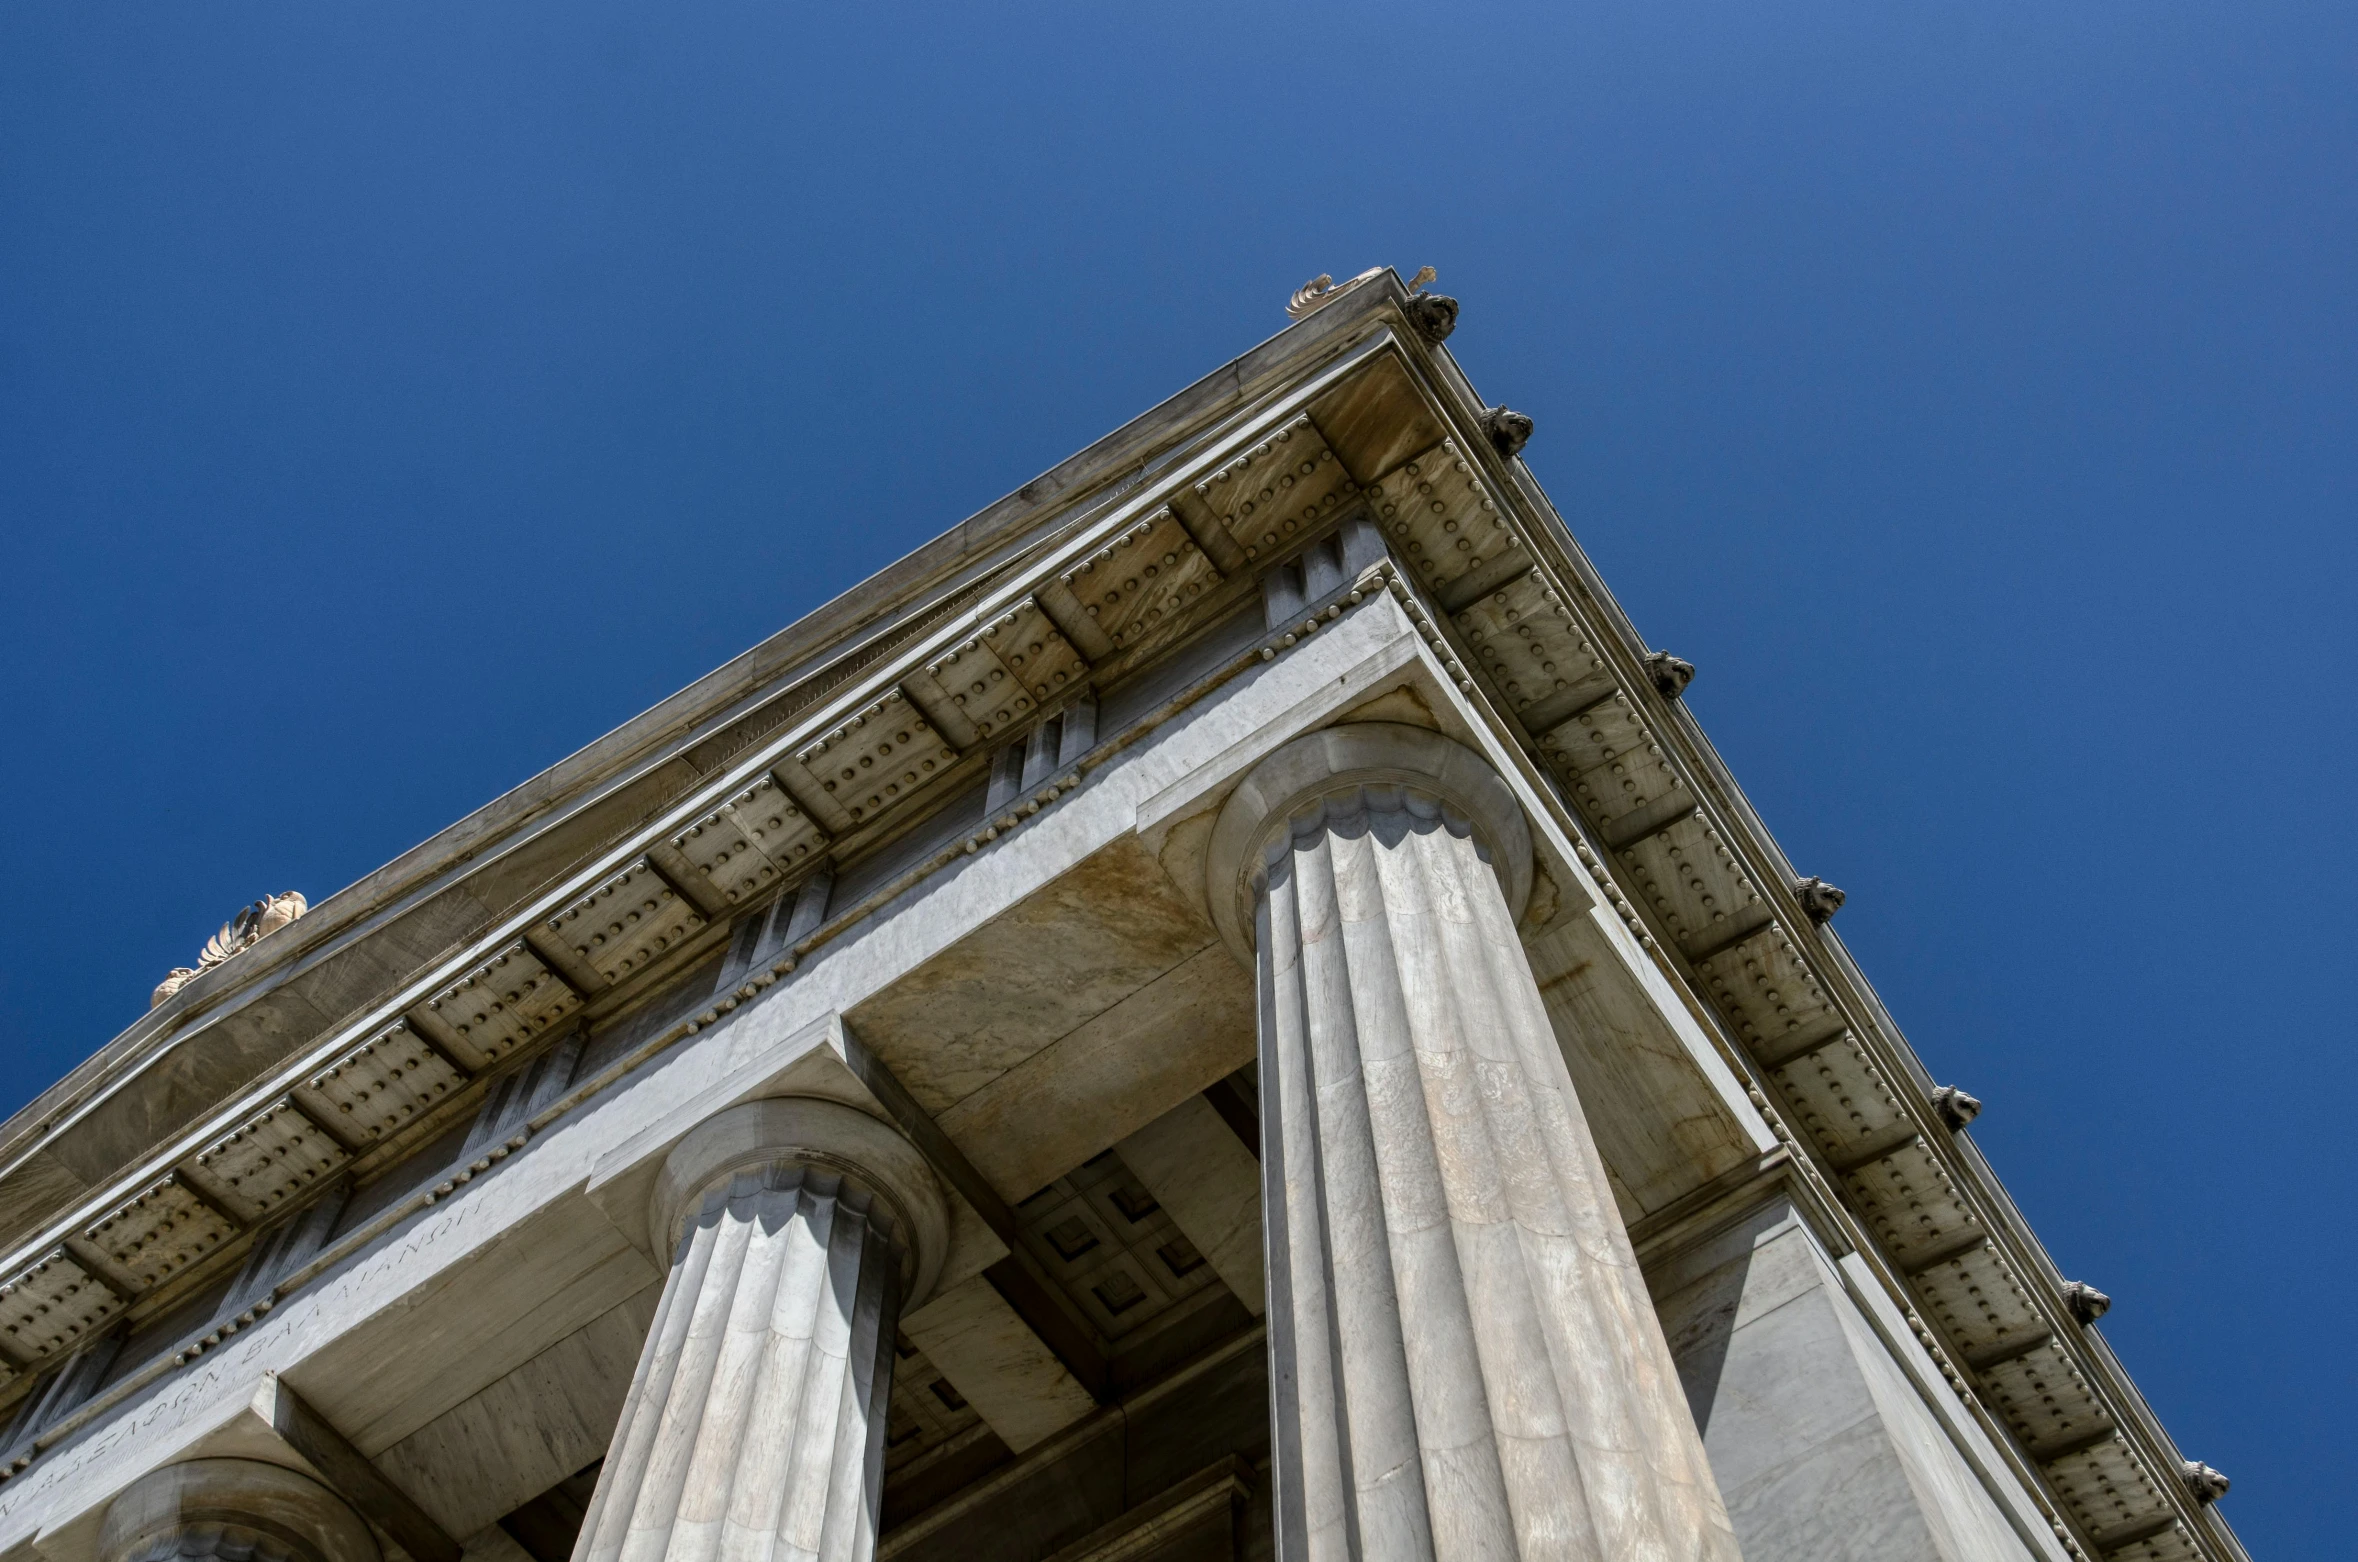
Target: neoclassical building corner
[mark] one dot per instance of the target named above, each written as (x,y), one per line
(1223,1008)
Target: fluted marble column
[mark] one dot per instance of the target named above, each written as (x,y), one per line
(233,1510)
(754,1428)
(1464,1360)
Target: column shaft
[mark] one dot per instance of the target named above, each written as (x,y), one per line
(754,1428)
(1465,1360)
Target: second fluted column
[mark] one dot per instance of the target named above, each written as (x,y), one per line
(754,1427)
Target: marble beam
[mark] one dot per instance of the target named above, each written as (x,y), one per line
(1204,1177)
(997,1364)
(311,1434)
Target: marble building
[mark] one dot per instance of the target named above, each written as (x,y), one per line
(1224,1007)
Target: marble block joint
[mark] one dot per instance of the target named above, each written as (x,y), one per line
(1464,1359)
(755,1422)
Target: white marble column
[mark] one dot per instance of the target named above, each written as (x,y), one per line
(233,1510)
(1464,1360)
(754,1428)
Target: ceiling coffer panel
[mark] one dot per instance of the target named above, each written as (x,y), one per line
(627,923)
(53,1306)
(887,752)
(162,1231)
(754,842)
(1111,1247)
(925,1411)
(1144,577)
(1281,488)
(1438,513)
(1015,665)
(391,1082)
(277,1156)
(503,1003)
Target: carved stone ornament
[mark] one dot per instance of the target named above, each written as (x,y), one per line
(1434,315)
(241,932)
(1671,674)
(1819,899)
(1320,291)
(2207,1484)
(1955,1107)
(2085,1302)
(1507,430)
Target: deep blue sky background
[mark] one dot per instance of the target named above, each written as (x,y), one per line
(394,398)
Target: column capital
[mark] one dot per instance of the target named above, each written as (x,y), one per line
(878,1167)
(1337,762)
(227,1508)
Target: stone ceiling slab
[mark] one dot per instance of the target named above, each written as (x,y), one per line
(1033,976)
(1111,1077)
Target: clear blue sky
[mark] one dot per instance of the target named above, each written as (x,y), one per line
(394,398)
